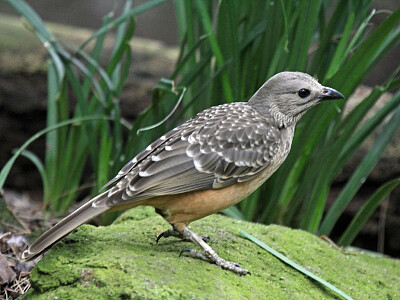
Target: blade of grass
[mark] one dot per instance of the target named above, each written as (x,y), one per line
(125,69)
(61,140)
(120,37)
(227,34)
(366,212)
(39,166)
(354,141)
(359,176)
(219,59)
(99,91)
(196,96)
(367,54)
(331,164)
(327,37)
(121,19)
(314,211)
(294,265)
(340,53)
(51,137)
(7,167)
(276,40)
(188,58)
(95,54)
(249,206)
(168,86)
(234,213)
(118,70)
(83,109)
(106,143)
(70,167)
(304,32)
(394,84)
(330,158)
(355,41)
(289,188)
(120,48)
(69,172)
(180,21)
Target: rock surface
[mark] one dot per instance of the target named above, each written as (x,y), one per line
(123,261)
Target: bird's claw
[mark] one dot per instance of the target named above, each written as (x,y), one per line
(171,232)
(185,250)
(168,233)
(227,265)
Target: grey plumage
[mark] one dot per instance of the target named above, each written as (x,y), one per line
(65,226)
(221,146)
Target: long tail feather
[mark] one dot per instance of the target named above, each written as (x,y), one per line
(66,225)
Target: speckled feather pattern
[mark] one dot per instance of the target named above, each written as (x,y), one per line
(207,164)
(219,147)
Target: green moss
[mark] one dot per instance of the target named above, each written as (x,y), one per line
(123,261)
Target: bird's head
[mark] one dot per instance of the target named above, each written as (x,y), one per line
(287,96)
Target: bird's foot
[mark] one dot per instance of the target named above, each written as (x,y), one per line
(208,253)
(172,232)
(214,258)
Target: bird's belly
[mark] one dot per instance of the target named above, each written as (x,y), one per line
(188,207)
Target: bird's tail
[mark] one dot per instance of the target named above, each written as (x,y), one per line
(84,213)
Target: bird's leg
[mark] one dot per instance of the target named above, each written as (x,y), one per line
(209,254)
(176,233)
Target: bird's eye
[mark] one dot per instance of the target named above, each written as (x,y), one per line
(303,93)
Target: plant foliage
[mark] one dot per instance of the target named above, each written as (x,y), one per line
(227,50)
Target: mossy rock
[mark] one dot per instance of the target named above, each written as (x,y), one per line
(123,261)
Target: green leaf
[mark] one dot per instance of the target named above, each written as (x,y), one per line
(303,35)
(361,173)
(168,86)
(206,22)
(51,145)
(294,265)
(234,213)
(7,167)
(86,85)
(39,166)
(121,19)
(341,53)
(106,144)
(368,54)
(366,211)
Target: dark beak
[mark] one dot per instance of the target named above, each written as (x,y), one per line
(330,94)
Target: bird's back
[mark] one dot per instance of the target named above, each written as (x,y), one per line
(220,146)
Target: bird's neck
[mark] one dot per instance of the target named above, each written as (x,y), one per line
(283,120)
(272,112)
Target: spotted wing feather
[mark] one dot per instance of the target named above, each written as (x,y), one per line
(240,144)
(221,146)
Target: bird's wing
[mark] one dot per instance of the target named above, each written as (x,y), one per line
(221,146)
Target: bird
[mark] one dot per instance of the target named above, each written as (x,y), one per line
(207,164)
